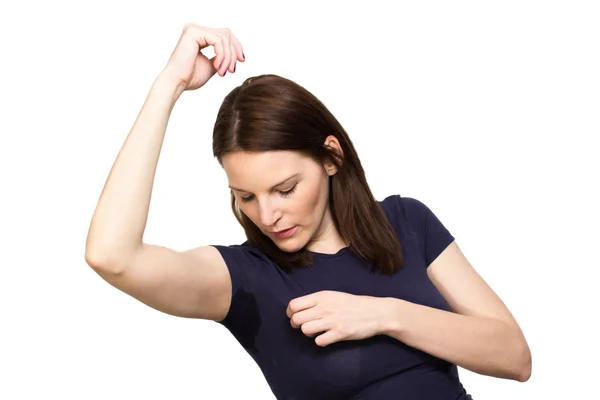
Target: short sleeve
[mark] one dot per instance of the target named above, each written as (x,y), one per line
(244,264)
(434,236)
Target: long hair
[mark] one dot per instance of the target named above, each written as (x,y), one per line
(268,112)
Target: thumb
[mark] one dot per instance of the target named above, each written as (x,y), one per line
(213,63)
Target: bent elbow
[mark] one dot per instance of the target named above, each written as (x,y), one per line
(523,373)
(100,262)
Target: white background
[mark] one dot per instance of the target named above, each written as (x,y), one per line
(488,112)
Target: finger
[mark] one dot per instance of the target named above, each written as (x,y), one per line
(209,37)
(239,51)
(305,316)
(314,327)
(233,58)
(226,55)
(327,338)
(203,36)
(229,64)
(301,303)
(220,55)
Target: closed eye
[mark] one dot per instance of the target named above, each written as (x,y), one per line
(282,193)
(288,192)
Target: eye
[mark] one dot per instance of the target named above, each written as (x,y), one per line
(282,193)
(246,199)
(288,192)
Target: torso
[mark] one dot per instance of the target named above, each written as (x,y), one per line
(296,368)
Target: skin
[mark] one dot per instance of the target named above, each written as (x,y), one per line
(259,181)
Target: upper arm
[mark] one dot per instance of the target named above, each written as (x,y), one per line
(192,284)
(463,288)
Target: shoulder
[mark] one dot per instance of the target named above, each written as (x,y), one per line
(244,255)
(414,215)
(406,208)
(244,262)
(403,201)
(248,269)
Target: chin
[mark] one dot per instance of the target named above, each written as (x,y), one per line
(289,247)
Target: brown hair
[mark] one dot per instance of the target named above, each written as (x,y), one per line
(268,112)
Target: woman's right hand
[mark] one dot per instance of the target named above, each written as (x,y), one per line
(190,68)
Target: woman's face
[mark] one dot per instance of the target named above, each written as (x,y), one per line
(282,192)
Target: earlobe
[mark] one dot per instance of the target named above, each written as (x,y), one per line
(330,168)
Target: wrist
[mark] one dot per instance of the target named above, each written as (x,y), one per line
(167,83)
(391,321)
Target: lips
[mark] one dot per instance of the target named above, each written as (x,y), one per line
(286,232)
(281,231)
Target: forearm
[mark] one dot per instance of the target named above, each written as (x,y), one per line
(482,345)
(119,221)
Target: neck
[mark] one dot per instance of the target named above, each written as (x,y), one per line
(327,240)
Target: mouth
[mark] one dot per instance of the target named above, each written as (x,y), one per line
(286,232)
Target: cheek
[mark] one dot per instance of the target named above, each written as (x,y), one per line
(249,210)
(250,213)
(311,204)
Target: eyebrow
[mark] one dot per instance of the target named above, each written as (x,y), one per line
(273,187)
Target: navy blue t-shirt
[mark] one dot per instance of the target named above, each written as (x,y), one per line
(380,367)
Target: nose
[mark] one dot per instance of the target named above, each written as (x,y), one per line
(269,214)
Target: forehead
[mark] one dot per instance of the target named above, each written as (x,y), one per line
(261,170)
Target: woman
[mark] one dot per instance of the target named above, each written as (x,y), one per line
(334,294)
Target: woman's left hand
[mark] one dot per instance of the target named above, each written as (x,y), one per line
(338,316)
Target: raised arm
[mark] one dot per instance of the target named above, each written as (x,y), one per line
(193,283)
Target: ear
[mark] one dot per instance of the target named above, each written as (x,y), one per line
(333,143)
